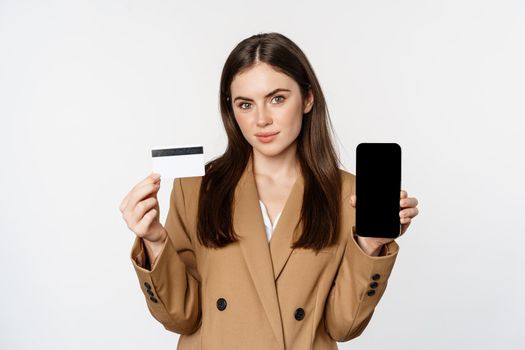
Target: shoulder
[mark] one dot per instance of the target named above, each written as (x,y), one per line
(346,175)
(347,183)
(190,185)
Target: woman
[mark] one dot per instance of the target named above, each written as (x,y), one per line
(219,277)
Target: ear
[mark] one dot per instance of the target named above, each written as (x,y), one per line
(309,102)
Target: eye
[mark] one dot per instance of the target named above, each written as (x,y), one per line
(283,98)
(240,105)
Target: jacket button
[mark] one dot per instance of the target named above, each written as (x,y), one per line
(376,276)
(221,304)
(373,285)
(153,299)
(371,292)
(147,285)
(151,293)
(299,314)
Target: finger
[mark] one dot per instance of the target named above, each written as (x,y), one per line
(352,200)
(405,213)
(124,202)
(410,202)
(404,194)
(134,215)
(151,178)
(141,193)
(404,227)
(142,208)
(413,201)
(405,220)
(410,212)
(141,228)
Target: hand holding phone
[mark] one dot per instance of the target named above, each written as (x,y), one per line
(378,185)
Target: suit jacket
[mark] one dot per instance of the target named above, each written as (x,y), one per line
(255,294)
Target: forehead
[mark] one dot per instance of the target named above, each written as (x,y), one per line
(259,80)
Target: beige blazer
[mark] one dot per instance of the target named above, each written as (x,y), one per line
(256,294)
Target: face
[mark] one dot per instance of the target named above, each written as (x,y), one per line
(267,101)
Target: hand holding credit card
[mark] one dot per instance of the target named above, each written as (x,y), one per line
(177,161)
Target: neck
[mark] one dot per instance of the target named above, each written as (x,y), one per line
(284,165)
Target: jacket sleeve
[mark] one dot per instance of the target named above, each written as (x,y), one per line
(357,288)
(172,285)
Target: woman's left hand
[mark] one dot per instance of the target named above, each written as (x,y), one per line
(371,245)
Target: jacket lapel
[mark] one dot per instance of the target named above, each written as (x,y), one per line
(265,261)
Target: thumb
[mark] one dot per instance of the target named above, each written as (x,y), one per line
(353,200)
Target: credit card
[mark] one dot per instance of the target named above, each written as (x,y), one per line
(177,161)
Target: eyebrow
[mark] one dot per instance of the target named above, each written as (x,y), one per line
(267,95)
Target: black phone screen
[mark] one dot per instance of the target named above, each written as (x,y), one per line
(378,189)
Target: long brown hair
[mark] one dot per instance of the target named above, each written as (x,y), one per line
(318,159)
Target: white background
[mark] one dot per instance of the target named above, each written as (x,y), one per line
(87,86)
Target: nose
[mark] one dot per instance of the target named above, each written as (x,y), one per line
(263,116)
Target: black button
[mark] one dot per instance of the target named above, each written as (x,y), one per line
(373,285)
(153,299)
(147,285)
(376,276)
(299,314)
(151,293)
(371,292)
(221,304)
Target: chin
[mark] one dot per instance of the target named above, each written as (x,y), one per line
(268,154)
(271,150)
(268,151)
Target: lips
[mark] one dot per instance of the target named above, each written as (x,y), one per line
(265,134)
(266,139)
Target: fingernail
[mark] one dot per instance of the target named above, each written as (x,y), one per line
(155,176)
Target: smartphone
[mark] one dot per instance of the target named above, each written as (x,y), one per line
(378,189)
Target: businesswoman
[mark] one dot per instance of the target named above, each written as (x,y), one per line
(261,252)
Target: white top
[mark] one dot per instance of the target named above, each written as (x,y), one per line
(267,222)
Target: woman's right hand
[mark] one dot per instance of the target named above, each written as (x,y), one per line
(140,210)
